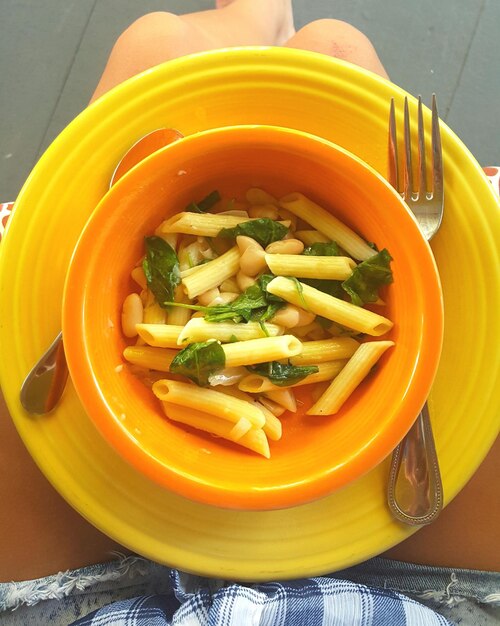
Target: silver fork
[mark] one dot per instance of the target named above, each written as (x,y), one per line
(415,490)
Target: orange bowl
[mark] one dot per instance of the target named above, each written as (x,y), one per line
(316,455)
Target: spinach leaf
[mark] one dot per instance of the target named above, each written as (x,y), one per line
(254,304)
(281,374)
(323,322)
(264,230)
(199,361)
(367,277)
(322,249)
(331,287)
(204,205)
(161,268)
(263,281)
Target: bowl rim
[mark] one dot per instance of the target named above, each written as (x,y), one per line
(264,499)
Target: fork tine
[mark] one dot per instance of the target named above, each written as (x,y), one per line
(393,167)
(422,184)
(408,171)
(437,155)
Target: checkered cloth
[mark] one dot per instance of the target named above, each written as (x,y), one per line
(324,601)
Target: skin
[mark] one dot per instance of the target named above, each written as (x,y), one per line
(39,532)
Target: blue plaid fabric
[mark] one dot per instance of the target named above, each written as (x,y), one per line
(324,601)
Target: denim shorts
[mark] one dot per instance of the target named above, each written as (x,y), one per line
(465,597)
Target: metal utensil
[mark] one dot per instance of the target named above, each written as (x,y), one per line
(45,383)
(415,490)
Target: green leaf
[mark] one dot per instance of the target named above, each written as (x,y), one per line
(254,304)
(368,277)
(330,287)
(264,230)
(199,361)
(323,322)
(263,281)
(161,268)
(281,374)
(322,249)
(204,205)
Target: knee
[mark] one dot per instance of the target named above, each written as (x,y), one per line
(341,40)
(160,29)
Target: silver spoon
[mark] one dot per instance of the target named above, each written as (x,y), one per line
(44,385)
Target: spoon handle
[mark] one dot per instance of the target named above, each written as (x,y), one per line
(415,490)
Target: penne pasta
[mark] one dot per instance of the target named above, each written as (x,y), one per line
(325,222)
(350,377)
(274,407)
(160,335)
(213,402)
(332,308)
(213,273)
(324,350)
(255,383)
(283,397)
(176,315)
(261,350)
(158,359)
(205,224)
(255,439)
(327,267)
(197,329)
(272,427)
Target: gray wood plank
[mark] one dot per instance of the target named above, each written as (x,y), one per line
(38,42)
(473,113)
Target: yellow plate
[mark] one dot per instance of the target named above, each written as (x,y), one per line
(274,86)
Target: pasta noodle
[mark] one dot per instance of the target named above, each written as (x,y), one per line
(255,383)
(214,402)
(350,377)
(213,273)
(255,439)
(197,329)
(261,350)
(325,222)
(326,267)
(330,307)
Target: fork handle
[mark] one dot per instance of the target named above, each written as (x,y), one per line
(415,490)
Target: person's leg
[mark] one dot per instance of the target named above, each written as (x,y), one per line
(340,40)
(159,37)
(39,533)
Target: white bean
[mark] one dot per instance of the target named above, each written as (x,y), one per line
(244,281)
(230,285)
(207,296)
(132,314)
(252,261)
(305,317)
(245,242)
(287,316)
(224,298)
(287,246)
